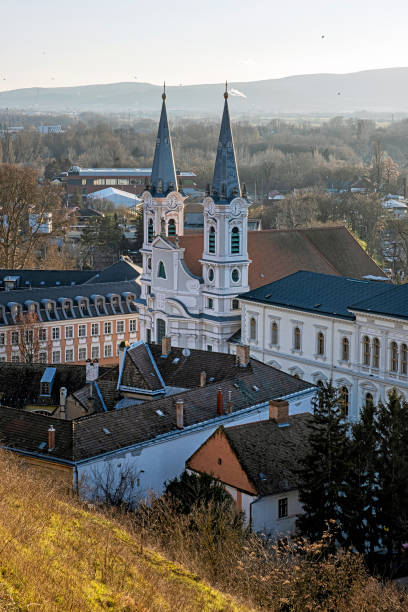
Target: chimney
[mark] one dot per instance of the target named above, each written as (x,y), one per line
(220,403)
(203,378)
(51,438)
(92,370)
(122,351)
(63,402)
(242,355)
(166,346)
(228,408)
(180,413)
(278,409)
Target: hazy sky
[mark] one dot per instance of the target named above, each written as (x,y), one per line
(49,43)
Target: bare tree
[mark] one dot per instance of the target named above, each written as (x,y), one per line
(31,337)
(115,487)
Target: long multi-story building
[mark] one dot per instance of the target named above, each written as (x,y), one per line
(71,323)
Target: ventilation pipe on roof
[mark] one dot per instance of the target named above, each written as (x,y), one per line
(278,409)
(180,413)
(228,408)
(203,378)
(243,355)
(51,438)
(166,346)
(92,370)
(220,402)
(63,402)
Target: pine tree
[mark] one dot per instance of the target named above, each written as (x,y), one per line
(392,473)
(358,516)
(322,474)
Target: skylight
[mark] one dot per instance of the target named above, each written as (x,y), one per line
(262,476)
(106,431)
(255,388)
(159,412)
(42,445)
(176,359)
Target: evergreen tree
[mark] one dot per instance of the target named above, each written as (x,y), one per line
(358,516)
(392,473)
(323,471)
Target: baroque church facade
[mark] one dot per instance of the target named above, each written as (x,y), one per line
(196,311)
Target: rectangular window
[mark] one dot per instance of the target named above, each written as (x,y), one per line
(14,337)
(120,327)
(15,359)
(123,181)
(108,350)
(69,332)
(107,328)
(42,357)
(29,336)
(95,329)
(2,358)
(111,181)
(42,334)
(2,338)
(99,181)
(283,507)
(82,353)
(209,348)
(132,325)
(56,356)
(95,351)
(210,303)
(81,331)
(55,333)
(69,354)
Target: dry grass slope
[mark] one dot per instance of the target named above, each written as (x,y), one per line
(56,555)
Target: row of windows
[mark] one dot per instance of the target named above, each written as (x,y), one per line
(235,244)
(235,275)
(69,331)
(82,354)
(171,229)
(116,181)
(234,304)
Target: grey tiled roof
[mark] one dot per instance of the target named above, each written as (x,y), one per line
(122,270)
(47,278)
(392,301)
(318,293)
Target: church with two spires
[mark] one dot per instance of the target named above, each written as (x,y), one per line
(191,283)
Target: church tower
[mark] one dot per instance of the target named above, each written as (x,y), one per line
(163,202)
(225,258)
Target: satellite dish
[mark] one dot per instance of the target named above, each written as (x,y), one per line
(186,352)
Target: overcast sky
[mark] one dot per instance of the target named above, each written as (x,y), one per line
(46,43)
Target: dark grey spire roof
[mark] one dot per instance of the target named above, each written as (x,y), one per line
(225,185)
(163,170)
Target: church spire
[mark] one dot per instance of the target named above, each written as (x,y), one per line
(225,185)
(164,177)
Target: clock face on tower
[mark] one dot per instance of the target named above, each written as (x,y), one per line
(172,202)
(235,208)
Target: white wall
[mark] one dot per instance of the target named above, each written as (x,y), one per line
(265,517)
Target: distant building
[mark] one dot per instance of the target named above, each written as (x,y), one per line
(40,222)
(395,205)
(116,196)
(50,129)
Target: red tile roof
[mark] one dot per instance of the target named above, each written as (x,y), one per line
(278,253)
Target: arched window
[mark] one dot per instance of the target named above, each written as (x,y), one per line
(235,275)
(161,272)
(211,240)
(150,231)
(235,240)
(274,333)
(161,330)
(404,358)
(320,343)
(252,329)
(149,263)
(344,400)
(369,400)
(210,275)
(235,304)
(376,353)
(394,357)
(171,227)
(366,351)
(296,339)
(345,349)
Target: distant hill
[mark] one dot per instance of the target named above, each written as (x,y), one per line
(373,91)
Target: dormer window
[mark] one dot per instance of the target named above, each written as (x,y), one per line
(115,302)
(99,305)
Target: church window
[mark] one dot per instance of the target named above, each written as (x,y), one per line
(211,240)
(235,240)
(344,400)
(394,357)
(296,339)
(149,263)
(150,231)
(171,228)
(274,333)
(366,351)
(345,349)
(320,343)
(369,400)
(235,275)
(404,358)
(235,304)
(210,275)
(210,303)
(162,272)
(376,353)
(252,329)
(161,330)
